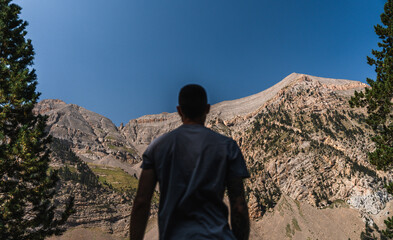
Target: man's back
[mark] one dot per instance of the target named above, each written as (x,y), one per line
(192,165)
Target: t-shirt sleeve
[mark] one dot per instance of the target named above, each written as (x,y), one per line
(237,165)
(147,159)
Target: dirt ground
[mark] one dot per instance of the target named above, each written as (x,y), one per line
(290,219)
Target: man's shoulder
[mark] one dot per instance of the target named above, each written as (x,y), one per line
(218,136)
(162,138)
(207,133)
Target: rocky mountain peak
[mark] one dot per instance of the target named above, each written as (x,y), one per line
(94,137)
(47,105)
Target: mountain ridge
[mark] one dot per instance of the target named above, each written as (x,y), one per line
(260,98)
(264,95)
(233,111)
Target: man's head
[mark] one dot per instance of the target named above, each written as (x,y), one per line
(193,103)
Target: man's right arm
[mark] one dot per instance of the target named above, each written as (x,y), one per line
(240,221)
(141,207)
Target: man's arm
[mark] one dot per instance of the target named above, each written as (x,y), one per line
(141,207)
(239,211)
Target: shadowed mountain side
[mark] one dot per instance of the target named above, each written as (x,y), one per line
(102,194)
(94,138)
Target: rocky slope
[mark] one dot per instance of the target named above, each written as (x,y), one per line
(94,137)
(307,143)
(97,204)
(301,141)
(102,194)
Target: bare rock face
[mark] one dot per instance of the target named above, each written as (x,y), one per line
(141,131)
(371,203)
(94,138)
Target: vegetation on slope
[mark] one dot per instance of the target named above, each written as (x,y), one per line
(308,149)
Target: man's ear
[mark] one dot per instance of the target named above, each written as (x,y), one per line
(179,111)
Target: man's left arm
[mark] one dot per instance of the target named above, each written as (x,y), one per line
(141,207)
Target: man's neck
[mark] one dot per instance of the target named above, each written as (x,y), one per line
(199,121)
(193,123)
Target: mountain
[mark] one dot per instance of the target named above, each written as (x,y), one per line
(94,138)
(304,146)
(235,114)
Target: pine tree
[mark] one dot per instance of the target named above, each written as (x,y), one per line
(27,186)
(378,100)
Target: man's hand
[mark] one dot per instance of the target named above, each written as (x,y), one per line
(141,207)
(239,211)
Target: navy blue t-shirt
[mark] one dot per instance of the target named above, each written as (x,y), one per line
(193,164)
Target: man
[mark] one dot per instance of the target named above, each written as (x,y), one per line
(193,165)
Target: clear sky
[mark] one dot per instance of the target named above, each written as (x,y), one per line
(127,58)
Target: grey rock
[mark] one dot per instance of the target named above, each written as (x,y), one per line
(372,202)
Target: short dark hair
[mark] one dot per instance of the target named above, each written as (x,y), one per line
(192,100)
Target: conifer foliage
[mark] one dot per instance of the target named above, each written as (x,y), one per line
(378,100)
(27,187)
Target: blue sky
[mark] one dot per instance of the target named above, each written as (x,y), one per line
(127,58)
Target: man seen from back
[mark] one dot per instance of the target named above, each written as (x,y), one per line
(193,166)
